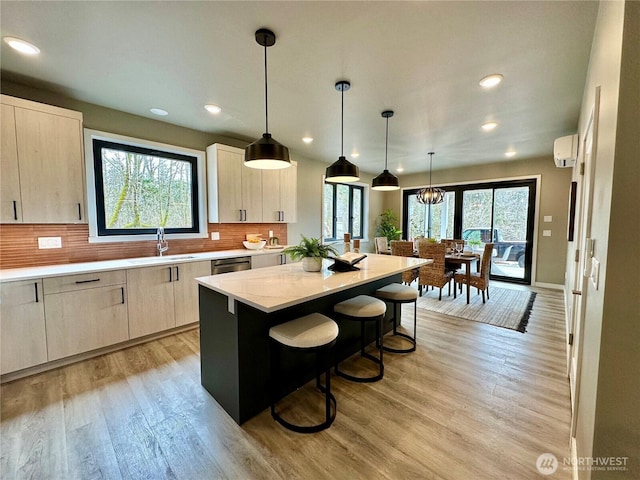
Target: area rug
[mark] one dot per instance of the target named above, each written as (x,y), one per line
(506,308)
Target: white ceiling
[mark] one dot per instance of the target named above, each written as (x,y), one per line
(421,59)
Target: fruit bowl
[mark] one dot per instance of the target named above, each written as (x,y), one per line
(254,245)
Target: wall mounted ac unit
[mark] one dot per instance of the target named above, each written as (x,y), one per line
(565,151)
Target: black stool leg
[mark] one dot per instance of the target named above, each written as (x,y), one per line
(403,335)
(377,360)
(322,358)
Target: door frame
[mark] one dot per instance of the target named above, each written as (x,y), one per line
(531,181)
(583,236)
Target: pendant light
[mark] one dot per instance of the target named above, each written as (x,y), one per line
(430,195)
(386,181)
(342,170)
(265,153)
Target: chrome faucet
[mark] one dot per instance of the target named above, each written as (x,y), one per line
(163,244)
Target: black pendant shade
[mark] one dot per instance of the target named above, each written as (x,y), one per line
(430,195)
(266,153)
(386,181)
(342,170)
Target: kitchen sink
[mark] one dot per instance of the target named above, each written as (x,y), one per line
(163,259)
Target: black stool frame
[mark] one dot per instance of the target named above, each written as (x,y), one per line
(395,326)
(323,351)
(379,342)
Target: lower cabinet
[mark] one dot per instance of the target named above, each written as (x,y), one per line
(84,320)
(268,260)
(54,318)
(22,328)
(163,297)
(185,291)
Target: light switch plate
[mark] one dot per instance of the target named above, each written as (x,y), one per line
(49,242)
(595,272)
(546,233)
(548,218)
(215,235)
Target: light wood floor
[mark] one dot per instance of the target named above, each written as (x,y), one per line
(473,402)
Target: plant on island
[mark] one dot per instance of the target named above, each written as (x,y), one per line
(311,251)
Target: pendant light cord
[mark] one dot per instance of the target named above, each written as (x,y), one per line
(430,161)
(342,122)
(266,93)
(386,145)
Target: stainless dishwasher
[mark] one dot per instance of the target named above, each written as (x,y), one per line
(225,265)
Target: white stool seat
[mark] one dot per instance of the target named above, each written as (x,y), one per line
(395,291)
(361,306)
(313,330)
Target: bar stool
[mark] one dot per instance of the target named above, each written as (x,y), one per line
(311,333)
(364,308)
(395,293)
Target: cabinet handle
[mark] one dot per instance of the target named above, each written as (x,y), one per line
(245,215)
(122,294)
(35,284)
(177,274)
(171,274)
(15,210)
(78,282)
(79,212)
(240,214)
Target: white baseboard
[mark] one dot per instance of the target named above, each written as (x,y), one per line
(554,286)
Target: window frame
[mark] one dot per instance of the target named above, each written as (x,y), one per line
(98,233)
(352,187)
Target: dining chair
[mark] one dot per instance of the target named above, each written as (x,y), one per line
(381,245)
(434,274)
(402,248)
(479,280)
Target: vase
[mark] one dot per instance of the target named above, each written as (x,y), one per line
(312,264)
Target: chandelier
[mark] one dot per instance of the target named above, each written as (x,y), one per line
(430,195)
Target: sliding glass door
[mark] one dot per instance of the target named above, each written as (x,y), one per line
(501,213)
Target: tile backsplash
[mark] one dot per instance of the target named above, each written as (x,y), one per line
(19,243)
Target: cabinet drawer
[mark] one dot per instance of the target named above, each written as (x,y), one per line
(85,320)
(70,283)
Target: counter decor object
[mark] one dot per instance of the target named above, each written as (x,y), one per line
(311,251)
(254,244)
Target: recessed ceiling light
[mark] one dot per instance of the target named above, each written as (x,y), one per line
(355,154)
(510,153)
(491,80)
(399,169)
(307,139)
(159,111)
(215,109)
(22,46)
(489,126)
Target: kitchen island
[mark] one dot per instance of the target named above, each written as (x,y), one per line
(237,310)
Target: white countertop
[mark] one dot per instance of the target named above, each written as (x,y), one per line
(274,288)
(30,273)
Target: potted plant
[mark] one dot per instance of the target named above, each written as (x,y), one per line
(311,251)
(387,226)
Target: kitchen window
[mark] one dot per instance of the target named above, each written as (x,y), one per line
(135,187)
(343,211)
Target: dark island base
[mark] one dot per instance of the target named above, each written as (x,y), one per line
(234,349)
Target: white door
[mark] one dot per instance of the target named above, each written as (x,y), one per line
(583,243)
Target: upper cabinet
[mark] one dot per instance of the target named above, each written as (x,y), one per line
(41,164)
(279,199)
(241,194)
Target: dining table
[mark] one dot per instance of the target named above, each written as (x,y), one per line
(458,259)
